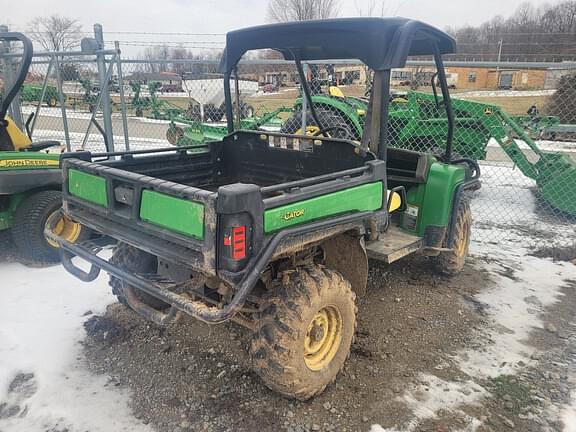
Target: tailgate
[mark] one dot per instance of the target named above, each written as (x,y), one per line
(171,220)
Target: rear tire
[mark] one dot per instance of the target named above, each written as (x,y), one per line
(29,223)
(451,263)
(292,350)
(134,260)
(328,119)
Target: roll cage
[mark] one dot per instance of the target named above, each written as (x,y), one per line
(380,43)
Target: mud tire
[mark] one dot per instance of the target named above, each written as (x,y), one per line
(452,263)
(134,260)
(277,347)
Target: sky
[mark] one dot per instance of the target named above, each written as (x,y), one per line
(220,16)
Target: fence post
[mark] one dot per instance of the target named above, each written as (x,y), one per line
(104,88)
(62,103)
(122,98)
(15,109)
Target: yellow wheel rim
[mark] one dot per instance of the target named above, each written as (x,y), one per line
(310,131)
(67,229)
(463,244)
(323,338)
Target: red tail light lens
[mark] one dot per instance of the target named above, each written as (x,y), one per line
(239,242)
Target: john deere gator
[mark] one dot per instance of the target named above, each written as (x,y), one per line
(274,230)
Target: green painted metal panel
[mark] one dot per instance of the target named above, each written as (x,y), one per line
(431,203)
(88,187)
(368,197)
(176,214)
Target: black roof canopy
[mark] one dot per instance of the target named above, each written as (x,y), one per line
(381,43)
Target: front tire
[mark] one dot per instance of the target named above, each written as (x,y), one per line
(452,262)
(304,332)
(134,260)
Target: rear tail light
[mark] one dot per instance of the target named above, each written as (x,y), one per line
(235,242)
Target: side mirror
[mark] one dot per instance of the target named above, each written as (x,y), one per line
(396,200)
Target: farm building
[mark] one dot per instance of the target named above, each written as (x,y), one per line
(476,78)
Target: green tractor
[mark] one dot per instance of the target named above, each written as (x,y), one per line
(157,108)
(421,124)
(273,230)
(332,106)
(33,93)
(30,180)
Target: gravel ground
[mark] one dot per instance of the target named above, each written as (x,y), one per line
(195,377)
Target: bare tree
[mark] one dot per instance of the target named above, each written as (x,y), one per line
(55,33)
(370,8)
(302,10)
(545,33)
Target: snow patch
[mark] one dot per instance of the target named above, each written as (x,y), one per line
(41,317)
(568,416)
(523,288)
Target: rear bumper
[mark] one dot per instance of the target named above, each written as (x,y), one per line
(165,291)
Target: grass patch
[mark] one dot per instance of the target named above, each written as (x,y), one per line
(507,389)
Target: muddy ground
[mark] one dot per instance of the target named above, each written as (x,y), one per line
(411,325)
(404,373)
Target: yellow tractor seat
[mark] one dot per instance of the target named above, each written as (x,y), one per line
(394,200)
(19,141)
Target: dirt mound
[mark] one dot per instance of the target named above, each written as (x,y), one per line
(557,253)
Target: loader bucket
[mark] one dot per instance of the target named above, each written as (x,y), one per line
(557,181)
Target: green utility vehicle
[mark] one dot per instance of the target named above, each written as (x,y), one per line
(271,230)
(30,180)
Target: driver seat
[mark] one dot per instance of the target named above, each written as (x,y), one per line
(13,139)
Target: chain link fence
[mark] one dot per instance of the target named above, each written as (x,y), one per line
(518,120)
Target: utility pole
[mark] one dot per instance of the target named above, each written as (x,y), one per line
(498,65)
(104,88)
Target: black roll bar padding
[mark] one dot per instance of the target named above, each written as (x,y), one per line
(237,97)
(447,102)
(22,69)
(307,95)
(197,309)
(434,91)
(365,139)
(384,76)
(228,99)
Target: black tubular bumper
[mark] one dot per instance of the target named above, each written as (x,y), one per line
(182,303)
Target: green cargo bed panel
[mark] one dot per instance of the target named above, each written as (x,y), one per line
(89,187)
(366,197)
(175,214)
